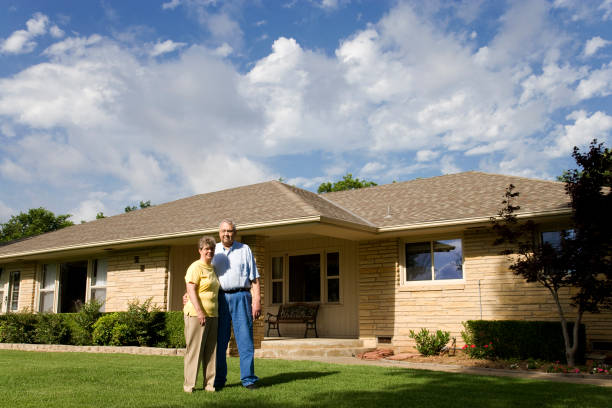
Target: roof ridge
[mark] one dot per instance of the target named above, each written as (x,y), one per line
(289,193)
(319,196)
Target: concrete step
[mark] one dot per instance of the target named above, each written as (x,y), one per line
(275,347)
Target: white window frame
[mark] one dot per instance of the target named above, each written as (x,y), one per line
(323,278)
(3,290)
(11,288)
(53,289)
(91,272)
(432,281)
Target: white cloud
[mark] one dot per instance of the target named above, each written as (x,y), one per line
(594,44)
(171,5)
(164,47)
(426,155)
(89,208)
(56,32)
(22,41)
(584,129)
(5,212)
(598,83)
(372,168)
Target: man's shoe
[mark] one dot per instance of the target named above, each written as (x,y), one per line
(251,387)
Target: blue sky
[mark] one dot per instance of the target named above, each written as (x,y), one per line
(106,103)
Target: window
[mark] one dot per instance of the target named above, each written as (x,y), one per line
(554,238)
(333,277)
(2,301)
(47,288)
(310,277)
(305,278)
(277,279)
(433,260)
(14,281)
(98,280)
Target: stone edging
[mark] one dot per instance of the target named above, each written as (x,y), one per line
(151,351)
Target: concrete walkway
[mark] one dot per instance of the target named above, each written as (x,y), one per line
(449,368)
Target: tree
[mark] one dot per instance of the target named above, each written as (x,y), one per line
(100,215)
(582,258)
(35,221)
(347,183)
(143,204)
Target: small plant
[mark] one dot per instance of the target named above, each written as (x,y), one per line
(533,364)
(430,344)
(485,351)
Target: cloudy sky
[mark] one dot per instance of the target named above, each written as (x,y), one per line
(106,103)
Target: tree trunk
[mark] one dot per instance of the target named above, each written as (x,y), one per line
(570,351)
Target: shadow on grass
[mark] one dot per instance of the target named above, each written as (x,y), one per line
(283,378)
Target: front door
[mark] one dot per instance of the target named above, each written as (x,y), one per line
(73,284)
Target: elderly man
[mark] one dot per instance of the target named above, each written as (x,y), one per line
(239,303)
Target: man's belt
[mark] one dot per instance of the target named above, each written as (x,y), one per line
(237,290)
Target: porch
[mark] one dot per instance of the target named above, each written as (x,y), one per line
(297,348)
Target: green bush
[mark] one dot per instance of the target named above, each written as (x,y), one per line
(123,335)
(175,330)
(18,327)
(103,329)
(51,328)
(83,322)
(430,344)
(146,322)
(506,339)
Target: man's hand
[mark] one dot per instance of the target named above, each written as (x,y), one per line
(256,295)
(185,298)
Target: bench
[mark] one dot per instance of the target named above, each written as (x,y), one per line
(294,313)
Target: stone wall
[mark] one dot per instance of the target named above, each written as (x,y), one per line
(137,275)
(489,291)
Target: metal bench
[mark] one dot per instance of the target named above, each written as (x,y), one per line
(294,313)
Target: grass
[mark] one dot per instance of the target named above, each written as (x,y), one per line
(63,380)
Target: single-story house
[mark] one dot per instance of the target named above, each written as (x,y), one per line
(379,261)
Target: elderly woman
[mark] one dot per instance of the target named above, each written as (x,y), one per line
(201,317)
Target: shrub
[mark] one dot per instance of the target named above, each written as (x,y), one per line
(147,323)
(84,320)
(51,328)
(103,329)
(541,340)
(430,344)
(175,330)
(123,335)
(18,327)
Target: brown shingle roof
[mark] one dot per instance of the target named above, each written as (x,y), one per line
(447,198)
(453,197)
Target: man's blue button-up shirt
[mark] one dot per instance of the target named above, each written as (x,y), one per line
(235,266)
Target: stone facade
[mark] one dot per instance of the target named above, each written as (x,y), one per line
(137,275)
(489,291)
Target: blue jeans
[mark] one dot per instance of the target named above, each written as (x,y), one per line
(235,309)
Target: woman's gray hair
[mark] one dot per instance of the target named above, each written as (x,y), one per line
(207,241)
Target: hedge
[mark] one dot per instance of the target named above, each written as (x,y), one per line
(523,339)
(150,328)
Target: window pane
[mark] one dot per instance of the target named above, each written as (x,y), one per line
(99,295)
(46,301)
(49,272)
(418,261)
(333,264)
(305,278)
(333,290)
(277,267)
(448,259)
(14,291)
(99,274)
(277,292)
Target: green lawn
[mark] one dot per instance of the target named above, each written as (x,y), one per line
(48,380)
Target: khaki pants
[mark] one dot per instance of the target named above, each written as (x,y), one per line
(201,349)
